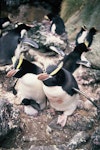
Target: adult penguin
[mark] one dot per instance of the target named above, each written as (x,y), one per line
(28,87)
(57,24)
(58,86)
(4,22)
(90,36)
(81,35)
(9,42)
(73,60)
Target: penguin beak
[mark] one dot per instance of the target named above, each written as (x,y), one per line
(11,73)
(46,17)
(43,76)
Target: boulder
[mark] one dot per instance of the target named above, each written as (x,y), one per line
(9,118)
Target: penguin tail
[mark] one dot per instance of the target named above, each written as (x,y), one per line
(84,94)
(57,50)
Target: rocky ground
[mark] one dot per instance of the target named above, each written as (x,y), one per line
(82,130)
(42,132)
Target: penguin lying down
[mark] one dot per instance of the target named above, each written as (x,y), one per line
(58,86)
(28,88)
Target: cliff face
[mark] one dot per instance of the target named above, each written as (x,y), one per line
(47,4)
(77,13)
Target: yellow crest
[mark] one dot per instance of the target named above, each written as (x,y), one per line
(57,69)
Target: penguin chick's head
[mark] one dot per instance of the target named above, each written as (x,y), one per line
(80,48)
(25,102)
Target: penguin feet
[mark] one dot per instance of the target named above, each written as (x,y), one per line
(62,120)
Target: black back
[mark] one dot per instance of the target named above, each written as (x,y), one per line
(70,60)
(59,23)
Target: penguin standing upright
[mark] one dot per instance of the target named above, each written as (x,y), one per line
(81,35)
(28,86)
(9,42)
(57,24)
(58,86)
(73,60)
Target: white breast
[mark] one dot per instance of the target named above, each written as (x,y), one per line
(59,99)
(30,87)
(53,28)
(82,38)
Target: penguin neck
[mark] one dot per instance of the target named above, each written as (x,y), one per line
(78,51)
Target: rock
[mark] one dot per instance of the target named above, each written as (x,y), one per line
(78,139)
(50,147)
(40,33)
(9,118)
(13,3)
(95,139)
(94,55)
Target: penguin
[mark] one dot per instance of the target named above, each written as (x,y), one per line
(9,42)
(90,36)
(22,67)
(81,35)
(28,87)
(73,60)
(4,22)
(58,84)
(57,24)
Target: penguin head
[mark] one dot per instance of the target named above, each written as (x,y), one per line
(25,102)
(50,16)
(80,48)
(54,69)
(22,67)
(51,71)
(20,26)
(93,31)
(17,62)
(84,28)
